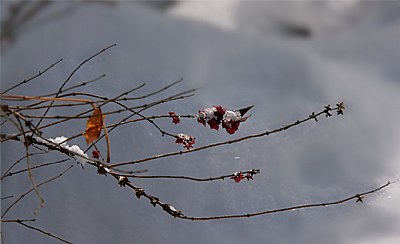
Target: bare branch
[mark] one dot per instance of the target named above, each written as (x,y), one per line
(16,220)
(26,144)
(44,232)
(7,174)
(31,78)
(303,206)
(248,173)
(32,189)
(70,76)
(313,116)
(16,162)
(7,197)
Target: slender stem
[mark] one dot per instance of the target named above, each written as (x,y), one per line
(70,76)
(34,167)
(32,189)
(7,197)
(222,177)
(44,232)
(212,145)
(33,77)
(296,207)
(16,220)
(31,178)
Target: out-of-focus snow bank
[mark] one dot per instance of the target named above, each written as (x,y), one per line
(238,53)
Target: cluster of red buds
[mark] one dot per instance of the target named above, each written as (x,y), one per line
(186,140)
(217,115)
(175,118)
(239,176)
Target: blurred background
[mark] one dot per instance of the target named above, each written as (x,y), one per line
(288,58)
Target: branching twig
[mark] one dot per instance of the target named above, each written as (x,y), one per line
(313,116)
(19,116)
(123,181)
(131,115)
(16,162)
(71,74)
(7,174)
(85,83)
(35,106)
(143,107)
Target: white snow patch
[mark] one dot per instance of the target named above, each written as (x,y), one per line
(79,155)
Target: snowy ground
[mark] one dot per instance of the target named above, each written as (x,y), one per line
(287,59)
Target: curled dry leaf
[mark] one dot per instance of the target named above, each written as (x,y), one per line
(94,126)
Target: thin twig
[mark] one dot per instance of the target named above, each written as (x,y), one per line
(82,114)
(156,92)
(85,83)
(36,106)
(70,76)
(144,107)
(223,177)
(44,232)
(16,162)
(33,77)
(32,189)
(313,116)
(131,115)
(7,197)
(35,187)
(34,167)
(189,116)
(16,220)
(123,181)
(303,206)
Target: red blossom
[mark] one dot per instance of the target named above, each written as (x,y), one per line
(217,115)
(249,176)
(186,140)
(214,124)
(175,118)
(201,120)
(220,111)
(231,127)
(95,154)
(237,177)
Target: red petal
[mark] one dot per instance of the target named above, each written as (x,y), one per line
(220,110)
(214,125)
(95,154)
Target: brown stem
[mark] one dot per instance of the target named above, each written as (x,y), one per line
(212,145)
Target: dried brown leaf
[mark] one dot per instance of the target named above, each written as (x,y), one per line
(94,126)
